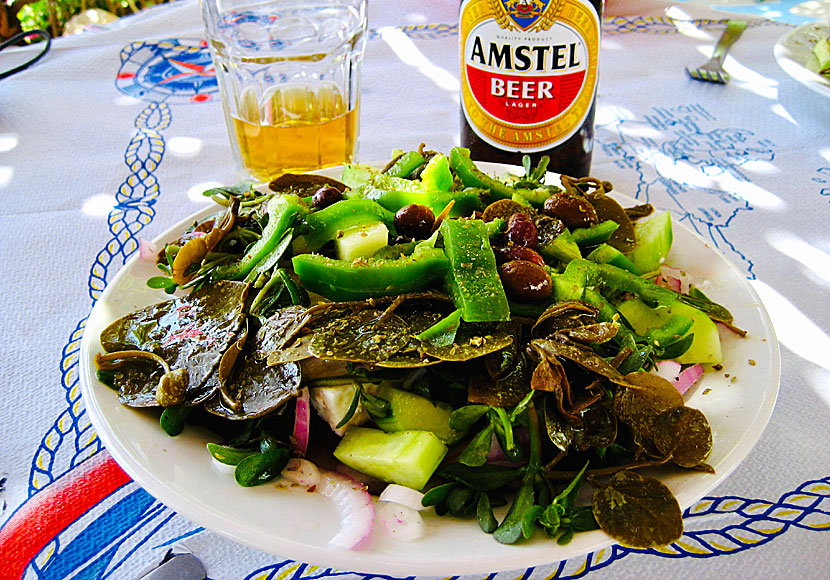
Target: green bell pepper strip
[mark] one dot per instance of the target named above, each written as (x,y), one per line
(340,280)
(579,282)
(563,248)
(442,333)
(669,334)
(471,176)
(607,254)
(437,176)
(323,225)
(595,234)
(473,279)
(581,274)
(405,164)
(282,211)
(674,328)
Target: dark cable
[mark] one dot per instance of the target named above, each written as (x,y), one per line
(25,36)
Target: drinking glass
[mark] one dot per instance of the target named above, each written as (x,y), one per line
(289,78)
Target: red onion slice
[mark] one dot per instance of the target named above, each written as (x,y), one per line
(682,380)
(401,522)
(147,250)
(354,506)
(402,495)
(688,377)
(301,472)
(302,422)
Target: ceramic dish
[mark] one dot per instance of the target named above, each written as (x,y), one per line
(737,400)
(794,53)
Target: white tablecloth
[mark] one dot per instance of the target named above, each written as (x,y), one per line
(745,164)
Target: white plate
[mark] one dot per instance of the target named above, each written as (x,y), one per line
(794,53)
(178,471)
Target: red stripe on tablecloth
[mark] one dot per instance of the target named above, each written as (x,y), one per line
(55,507)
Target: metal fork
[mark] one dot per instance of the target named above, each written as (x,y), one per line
(713,71)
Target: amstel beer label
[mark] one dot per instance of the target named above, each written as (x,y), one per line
(528,70)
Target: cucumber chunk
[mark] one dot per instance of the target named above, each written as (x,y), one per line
(706,347)
(654,239)
(361,241)
(404,457)
(414,412)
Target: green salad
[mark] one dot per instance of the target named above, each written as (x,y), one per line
(821,50)
(499,348)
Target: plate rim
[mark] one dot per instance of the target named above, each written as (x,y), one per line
(796,69)
(360,561)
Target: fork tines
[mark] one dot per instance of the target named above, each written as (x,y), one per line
(712,76)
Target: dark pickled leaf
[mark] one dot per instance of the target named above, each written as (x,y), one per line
(408,360)
(640,405)
(472,341)
(366,336)
(259,389)
(549,376)
(597,426)
(255,388)
(295,351)
(608,208)
(285,324)
(582,356)
(683,433)
(638,511)
(419,320)
(558,429)
(191,332)
(303,184)
(506,391)
(598,333)
(564,315)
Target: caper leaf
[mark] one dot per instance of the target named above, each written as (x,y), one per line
(683,433)
(638,511)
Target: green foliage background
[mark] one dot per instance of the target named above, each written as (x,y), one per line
(52,15)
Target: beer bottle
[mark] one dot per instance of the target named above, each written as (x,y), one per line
(529,80)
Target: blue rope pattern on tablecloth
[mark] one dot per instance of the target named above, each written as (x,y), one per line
(133,210)
(750,522)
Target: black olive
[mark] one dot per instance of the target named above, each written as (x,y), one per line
(525,281)
(414,221)
(521,231)
(574,211)
(325,196)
